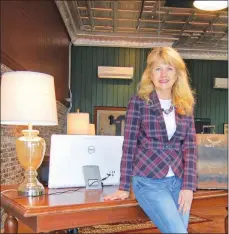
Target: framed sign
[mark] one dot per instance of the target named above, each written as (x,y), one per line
(109,121)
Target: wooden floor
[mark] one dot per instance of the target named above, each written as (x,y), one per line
(216,226)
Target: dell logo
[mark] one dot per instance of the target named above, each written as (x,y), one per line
(91,149)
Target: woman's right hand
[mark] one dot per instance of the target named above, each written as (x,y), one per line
(118,195)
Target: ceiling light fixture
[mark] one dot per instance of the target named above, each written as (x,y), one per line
(210,5)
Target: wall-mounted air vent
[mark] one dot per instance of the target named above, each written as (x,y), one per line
(220,83)
(115,72)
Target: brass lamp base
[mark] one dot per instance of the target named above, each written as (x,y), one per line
(31,189)
(31,192)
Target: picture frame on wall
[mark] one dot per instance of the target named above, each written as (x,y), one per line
(225,128)
(109,121)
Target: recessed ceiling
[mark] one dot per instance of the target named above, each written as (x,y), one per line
(147,24)
(179,3)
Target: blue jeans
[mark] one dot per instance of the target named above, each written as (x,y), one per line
(159,200)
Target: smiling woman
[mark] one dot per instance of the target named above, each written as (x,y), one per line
(159,148)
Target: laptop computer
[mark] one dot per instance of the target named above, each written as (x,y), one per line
(69,153)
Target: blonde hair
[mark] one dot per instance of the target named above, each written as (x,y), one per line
(182,95)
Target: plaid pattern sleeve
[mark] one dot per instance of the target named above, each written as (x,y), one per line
(190,158)
(132,124)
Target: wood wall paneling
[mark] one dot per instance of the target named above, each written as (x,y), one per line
(211,103)
(90,91)
(34,37)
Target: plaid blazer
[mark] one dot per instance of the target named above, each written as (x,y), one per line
(147,150)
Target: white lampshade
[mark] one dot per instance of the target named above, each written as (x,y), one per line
(78,123)
(210,5)
(91,129)
(28,97)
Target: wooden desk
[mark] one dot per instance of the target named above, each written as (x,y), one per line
(82,208)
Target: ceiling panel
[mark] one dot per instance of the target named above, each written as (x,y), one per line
(175,20)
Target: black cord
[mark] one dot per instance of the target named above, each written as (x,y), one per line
(70,190)
(108,175)
(56,193)
(66,191)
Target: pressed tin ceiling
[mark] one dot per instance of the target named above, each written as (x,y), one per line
(194,33)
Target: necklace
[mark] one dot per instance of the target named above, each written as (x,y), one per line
(167,111)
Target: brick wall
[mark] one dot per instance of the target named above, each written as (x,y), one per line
(11,171)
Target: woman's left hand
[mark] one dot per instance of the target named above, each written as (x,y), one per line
(185,200)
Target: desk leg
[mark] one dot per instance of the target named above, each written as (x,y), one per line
(226,222)
(11,224)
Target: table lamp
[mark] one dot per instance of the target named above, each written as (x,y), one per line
(91,129)
(28,98)
(78,123)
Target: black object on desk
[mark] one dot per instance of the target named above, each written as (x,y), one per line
(43,171)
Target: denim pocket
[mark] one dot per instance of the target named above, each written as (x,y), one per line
(138,184)
(177,182)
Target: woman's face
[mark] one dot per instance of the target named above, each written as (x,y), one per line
(163,76)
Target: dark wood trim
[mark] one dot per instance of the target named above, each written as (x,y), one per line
(64,27)
(10,62)
(35,39)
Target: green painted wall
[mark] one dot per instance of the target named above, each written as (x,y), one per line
(89,91)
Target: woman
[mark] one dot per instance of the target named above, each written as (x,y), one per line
(159,148)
